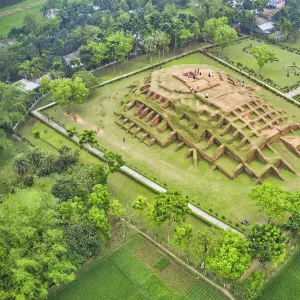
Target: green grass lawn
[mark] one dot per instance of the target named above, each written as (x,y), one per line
(205,187)
(120,186)
(16,20)
(286,285)
(274,71)
(129,273)
(21,5)
(292,44)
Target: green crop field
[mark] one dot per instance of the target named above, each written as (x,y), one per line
(205,187)
(275,70)
(128,273)
(286,285)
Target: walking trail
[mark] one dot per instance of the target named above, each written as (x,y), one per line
(129,171)
(293,92)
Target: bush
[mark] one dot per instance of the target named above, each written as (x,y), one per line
(161,263)
(36,133)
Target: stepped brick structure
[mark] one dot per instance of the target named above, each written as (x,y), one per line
(219,118)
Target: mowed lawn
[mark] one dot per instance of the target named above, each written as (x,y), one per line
(122,187)
(275,70)
(129,273)
(286,285)
(206,188)
(16,20)
(292,44)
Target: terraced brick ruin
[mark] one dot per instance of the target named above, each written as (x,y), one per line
(219,118)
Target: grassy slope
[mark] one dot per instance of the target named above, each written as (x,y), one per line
(210,189)
(20,5)
(285,286)
(16,20)
(275,70)
(295,44)
(128,273)
(122,187)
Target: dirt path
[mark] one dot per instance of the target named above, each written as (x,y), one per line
(13,11)
(253,266)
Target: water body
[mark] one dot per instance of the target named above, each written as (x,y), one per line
(7,3)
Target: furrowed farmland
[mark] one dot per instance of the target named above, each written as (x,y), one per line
(130,273)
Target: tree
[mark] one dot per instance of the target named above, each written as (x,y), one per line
(204,244)
(285,27)
(5,142)
(170,207)
(182,237)
(253,285)
(225,36)
(266,242)
(48,162)
(120,46)
(33,247)
(195,29)
(45,85)
(99,219)
(211,26)
(263,55)
(35,157)
(232,259)
(113,162)
(170,8)
(21,164)
(32,68)
(13,102)
(84,239)
(100,197)
(88,78)
(93,53)
(272,200)
(140,204)
(67,91)
(87,137)
(149,46)
(66,188)
(71,130)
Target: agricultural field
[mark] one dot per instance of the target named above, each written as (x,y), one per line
(274,71)
(132,272)
(286,284)
(206,187)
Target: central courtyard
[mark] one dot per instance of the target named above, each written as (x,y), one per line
(197,127)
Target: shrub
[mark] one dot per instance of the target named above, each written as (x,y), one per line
(223,217)
(36,133)
(161,263)
(210,210)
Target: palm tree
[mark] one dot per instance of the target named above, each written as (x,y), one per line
(21,164)
(157,41)
(149,46)
(48,162)
(35,156)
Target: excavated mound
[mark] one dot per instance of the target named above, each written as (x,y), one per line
(215,115)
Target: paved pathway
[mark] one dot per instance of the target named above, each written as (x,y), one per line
(293,92)
(129,171)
